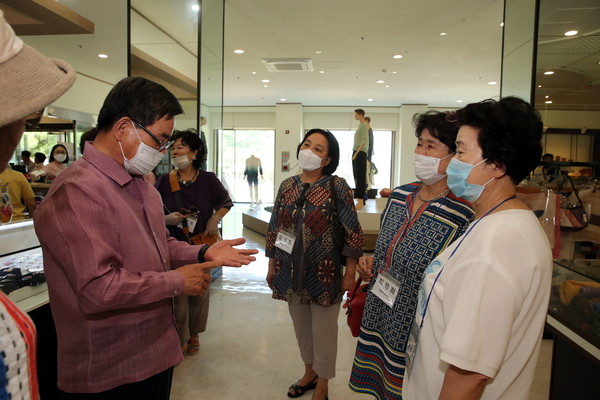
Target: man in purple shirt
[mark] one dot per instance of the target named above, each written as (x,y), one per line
(111,266)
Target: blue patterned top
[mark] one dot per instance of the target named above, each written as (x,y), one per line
(308,212)
(403,253)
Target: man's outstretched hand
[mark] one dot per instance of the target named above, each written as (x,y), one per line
(225,254)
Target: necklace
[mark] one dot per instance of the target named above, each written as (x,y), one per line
(434,197)
(187,182)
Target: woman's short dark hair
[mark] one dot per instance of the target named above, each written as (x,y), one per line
(441,125)
(333,152)
(510,131)
(52,153)
(190,138)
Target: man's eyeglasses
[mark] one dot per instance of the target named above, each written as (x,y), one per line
(162,145)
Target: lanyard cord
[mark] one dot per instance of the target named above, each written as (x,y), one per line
(408,223)
(454,251)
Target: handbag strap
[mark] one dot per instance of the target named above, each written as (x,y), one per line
(584,213)
(176,189)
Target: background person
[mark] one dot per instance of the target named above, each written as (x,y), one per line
(359,157)
(29,82)
(419,221)
(58,162)
(112,268)
(39,159)
(26,161)
(202,192)
(305,255)
(483,300)
(20,193)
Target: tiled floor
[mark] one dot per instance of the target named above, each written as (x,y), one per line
(249,349)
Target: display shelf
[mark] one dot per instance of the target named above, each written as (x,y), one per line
(27,298)
(573,312)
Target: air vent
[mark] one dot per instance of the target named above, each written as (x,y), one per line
(288,64)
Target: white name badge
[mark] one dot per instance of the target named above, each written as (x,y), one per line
(386,288)
(285,242)
(191,223)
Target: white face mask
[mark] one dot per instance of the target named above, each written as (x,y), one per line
(181,162)
(308,160)
(145,159)
(426,168)
(60,157)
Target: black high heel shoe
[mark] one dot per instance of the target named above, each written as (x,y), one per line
(300,390)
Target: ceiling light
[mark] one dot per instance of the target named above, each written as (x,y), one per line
(266,85)
(548,102)
(443,34)
(380,81)
(394,72)
(549,73)
(387,85)
(282,99)
(253,72)
(547,97)
(571,33)
(369,99)
(321,72)
(238,51)
(539,85)
(318,52)
(492,83)
(501,23)
(102,55)
(398,56)
(196,7)
(265,81)
(459,101)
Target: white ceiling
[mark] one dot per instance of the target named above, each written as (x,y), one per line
(358,39)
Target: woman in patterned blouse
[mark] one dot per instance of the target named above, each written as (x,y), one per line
(313,227)
(419,221)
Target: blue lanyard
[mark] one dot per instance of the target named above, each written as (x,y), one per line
(454,251)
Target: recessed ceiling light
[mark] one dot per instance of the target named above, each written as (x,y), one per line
(253,72)
(443,34)
(387,85)
(369,99)
(282,99)
(459,101)
(321,72)
(102,55)
(539,85)
(546,97)
(492,83)
(380,81)
(549,73)
(394,72)
(571,33)
(238,51)
(318,52)
(548,102)
(397,56)
(266,85)
(196,7)
(265,81)
(501,23)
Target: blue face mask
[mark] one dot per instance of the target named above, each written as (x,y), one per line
(458,172)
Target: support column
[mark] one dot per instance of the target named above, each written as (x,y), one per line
(288,133)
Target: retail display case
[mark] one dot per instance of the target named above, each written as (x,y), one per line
(574,318)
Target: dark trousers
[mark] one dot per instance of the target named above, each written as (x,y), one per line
(157,387)
(359,169)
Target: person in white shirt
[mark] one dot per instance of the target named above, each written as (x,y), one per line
(483,300)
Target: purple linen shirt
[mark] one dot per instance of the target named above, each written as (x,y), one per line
(108,262)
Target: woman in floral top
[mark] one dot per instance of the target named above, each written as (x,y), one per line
(313,227)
